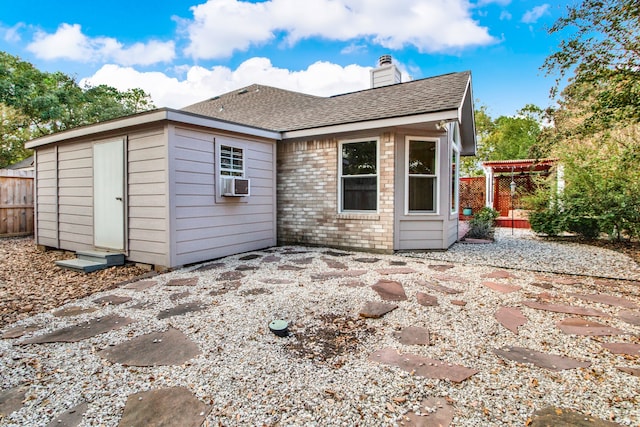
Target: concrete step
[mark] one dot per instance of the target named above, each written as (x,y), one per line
(110,258)
(81,265)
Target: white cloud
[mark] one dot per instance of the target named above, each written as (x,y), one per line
(68,42)
(220,27)
(481,3)
(532,16)
(12,34)
(199,83)
(505,16)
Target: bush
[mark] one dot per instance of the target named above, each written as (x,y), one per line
(546,221)
(481,225)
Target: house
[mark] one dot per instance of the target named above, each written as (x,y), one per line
(260,166)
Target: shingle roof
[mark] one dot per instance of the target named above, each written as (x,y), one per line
(282,110)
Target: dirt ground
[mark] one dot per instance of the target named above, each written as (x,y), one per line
(31,283)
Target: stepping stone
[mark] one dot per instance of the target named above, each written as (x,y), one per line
(179,295)
(230,275)
(246,268)
(335,264)
(277,281)
(560,280)
(338,274)
(426,299)
(511,318)
(155,349)
(288,267)
(422,366)
(579,326)
(256,291)
(390,290)
(562,417)
(249,257)
(542,285)
(499,287)
(631,371)
(303,261)
(82,331)
(187,281)
(375,310)
(607,299)
(143,305)
(450,278)
(111,300)
(208,267)
(542,360)
(397,270)
(623,348)
(629,316)
(271,258)
(567,309)
(412,335)
(141,285)
(432,412)
(70,418)
(367,260)
(499,274)
(11,400)
(353,284)
(168,407)
(396,263)
(440,267)
(73,311)
(439,288)
(458,302)
(336,254)
(226,287)
(181,309)
(18,331)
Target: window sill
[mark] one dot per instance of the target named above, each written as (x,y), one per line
(359,216)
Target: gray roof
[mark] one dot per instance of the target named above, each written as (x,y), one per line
(282,110)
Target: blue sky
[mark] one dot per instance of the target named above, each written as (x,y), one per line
(184,51)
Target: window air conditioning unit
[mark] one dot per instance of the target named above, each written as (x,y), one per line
(234,186)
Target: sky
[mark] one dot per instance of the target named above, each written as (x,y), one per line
(186,51)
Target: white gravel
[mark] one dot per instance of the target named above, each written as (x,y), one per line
(251,377)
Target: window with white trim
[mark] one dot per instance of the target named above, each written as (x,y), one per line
(422,175)
(358,176)
(455,178)
(231,161)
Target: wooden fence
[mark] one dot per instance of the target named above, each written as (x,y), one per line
(16,203)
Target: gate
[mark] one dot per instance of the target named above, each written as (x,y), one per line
(16,203)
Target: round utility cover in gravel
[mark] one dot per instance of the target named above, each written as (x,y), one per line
(82,331)
(166,407)
(156,349)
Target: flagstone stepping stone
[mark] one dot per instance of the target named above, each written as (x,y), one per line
(353,284)
(629,316)
(631,371)
(11,400)
(511,318)
(271,258)
(256,291)
(367,260)
(440,288)
(543,285)
(82,331)
(567,309)
(303,261)
(499,274)
(422,366)
(397,270)
(208,267)
(171,347)
(502,288)
(542,360)
(375,309)
(74,311)
(70,418)
(562,417)
(432,412)
(458,302)
(226,287)
(288,267)
(413,335)
(181,309)
(397,263)
(277,281)
(231,275)
(18,331)
(440,267)
(143,305)
(187,281)
(179,295)
(167,407)
(426,299)
(111,300)
(562,280)
(450,278)
(246,268)
(336,254)
(607,299)
(579,326)
(335,264)
(390,290)
(140,285)
(249,257)
(338,274)
(623,348)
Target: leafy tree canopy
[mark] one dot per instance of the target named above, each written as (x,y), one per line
(34,103)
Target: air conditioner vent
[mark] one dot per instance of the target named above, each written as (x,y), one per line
(235,187)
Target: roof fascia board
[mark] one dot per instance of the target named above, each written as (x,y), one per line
(372,124)
(147,118)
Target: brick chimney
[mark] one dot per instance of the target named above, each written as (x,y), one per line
(386,73)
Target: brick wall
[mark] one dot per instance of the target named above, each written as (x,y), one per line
(308,198)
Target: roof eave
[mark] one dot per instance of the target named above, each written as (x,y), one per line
(466,118)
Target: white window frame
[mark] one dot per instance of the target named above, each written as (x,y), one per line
(376,175)
(454,141)
(232,171)
(218,174)
(436,175)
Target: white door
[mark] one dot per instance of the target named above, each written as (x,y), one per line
(108,194)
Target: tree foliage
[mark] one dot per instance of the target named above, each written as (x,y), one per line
(34,103)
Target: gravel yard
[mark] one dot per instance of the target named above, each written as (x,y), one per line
(501,344)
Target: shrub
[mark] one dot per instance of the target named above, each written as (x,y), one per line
(481,225)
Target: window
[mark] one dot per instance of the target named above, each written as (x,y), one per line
(359,176)
(422,176)
(231,161)
(455,178)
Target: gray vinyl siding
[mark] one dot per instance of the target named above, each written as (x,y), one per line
(147,197)
(205,228)
(46,197)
